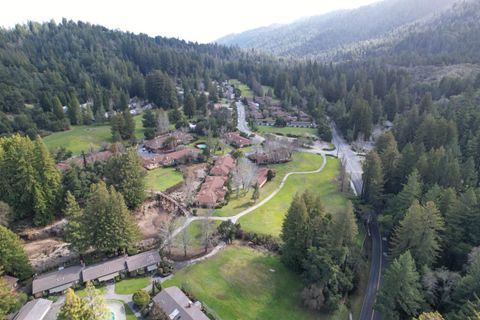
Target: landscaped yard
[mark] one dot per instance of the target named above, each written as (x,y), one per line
(244,283)
(130,286)
(82,138)
(287,131)
(161,179)
(301,161)
(82,292)
(268,218)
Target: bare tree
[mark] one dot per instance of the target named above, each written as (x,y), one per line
(190,189)
(244,174)
(186,240)
(208,231)
(163,124)
(167,228)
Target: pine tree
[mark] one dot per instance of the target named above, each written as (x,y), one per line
(163,124)
(57,108)
(202,102)
(74,233)
(48,177)
(189,107)
(74,111)
(294,234)
(12,255)
(126,174)
(400,296)
(419,233)
(411,191)
(107,223)
(128,131)
(373,180)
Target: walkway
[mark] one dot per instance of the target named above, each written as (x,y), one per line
(236,217)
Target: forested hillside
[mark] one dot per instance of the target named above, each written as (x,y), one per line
(330,32)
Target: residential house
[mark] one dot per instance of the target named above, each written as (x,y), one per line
(143,262)
(173,158)
(211,192)
(236,140)
(34,310)
(57,281)
(177,306)
(223,166)
(261,177)
(104,271)
(168,142)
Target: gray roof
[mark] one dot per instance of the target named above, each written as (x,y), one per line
(103,269)
(34,310)
(177,305)
(56,279)
(143,260)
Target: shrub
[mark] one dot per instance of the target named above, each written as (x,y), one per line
(141,299)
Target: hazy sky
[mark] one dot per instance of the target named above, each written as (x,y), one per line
(196,20)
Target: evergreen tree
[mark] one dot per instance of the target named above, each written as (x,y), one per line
(202,102)
(74,308)
(57,108)
(74,111)
(411,191)
(400,296)
(87,116)
(373,180)
(74,233)
(48,177)
(256,193)
(12,255)
(95,303)
(189,107)
(419,233)
(468,289)
(125,172)
(294,235)
(108,225)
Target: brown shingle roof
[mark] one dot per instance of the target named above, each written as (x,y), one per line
(177,305)
(103,269)
(223,166)
(56,279)
(143,260)
(211,191)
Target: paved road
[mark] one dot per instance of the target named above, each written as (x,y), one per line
(354,168)
(242,124)
(374,279)
(353,160)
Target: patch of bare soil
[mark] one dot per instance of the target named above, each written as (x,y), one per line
(149,219)
(50,253)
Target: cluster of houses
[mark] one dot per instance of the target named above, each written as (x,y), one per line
(169,149)
(64,278)
(213,189)
(265,112)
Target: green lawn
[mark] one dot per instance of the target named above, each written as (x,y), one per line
(130,286)
(243,283)
(161,179)
(301,161)
(245,91)
(82,138)
(81,293)
(268,218)
(195,246)
(287,130)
